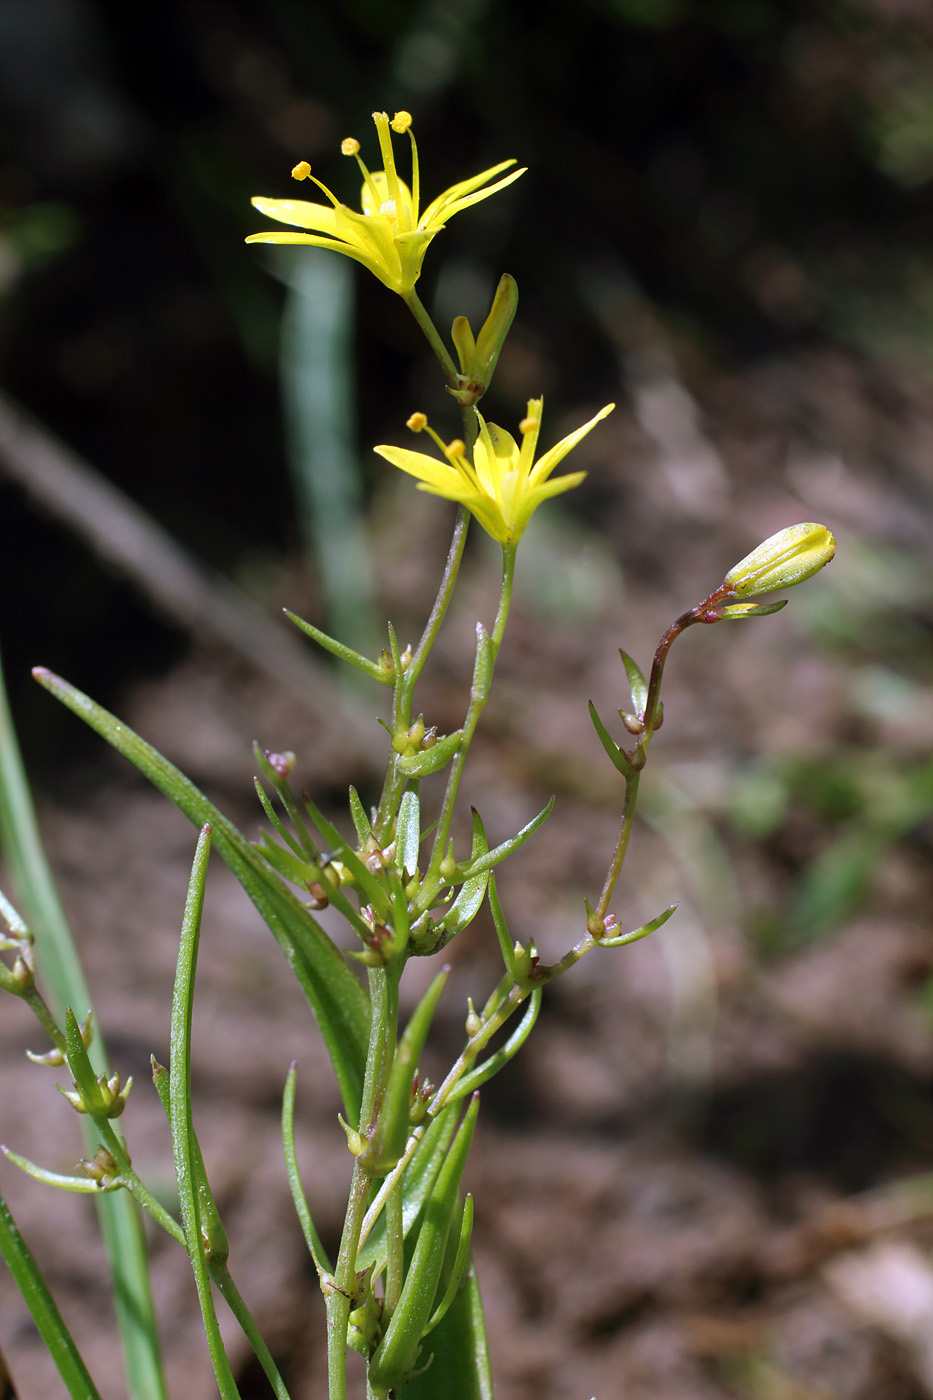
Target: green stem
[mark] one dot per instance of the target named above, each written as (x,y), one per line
(615,865)
(395,1251)
(137,1189)
(395,781)
(340,1301)
(383,988)
(482,683)
(432,335)
(234,1300)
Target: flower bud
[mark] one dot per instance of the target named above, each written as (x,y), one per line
(788,557)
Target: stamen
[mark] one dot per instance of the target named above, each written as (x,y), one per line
(302,171)
(528,425)
(388,161)
(433,435)
(401,121)
(417,422)
(349,146)
(456,449)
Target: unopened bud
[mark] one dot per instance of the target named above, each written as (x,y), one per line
(100,1167)
(355,1141)
(474,1023)
(282,763)
(789,557)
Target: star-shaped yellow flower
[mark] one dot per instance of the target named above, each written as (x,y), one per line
(503,485)
(391,235)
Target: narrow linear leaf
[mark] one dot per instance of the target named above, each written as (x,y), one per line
(338,649)
(312,1238)
(49,1321)
(120,1221)
(337,997)
(180,1100)
(397,1352)
(616,756)
(502,929)
(472,1081)
(460,1368)
(374,891)
(472,893)
(417,1184)
(499,853)
(391,1132)
(84,1185)
(360,819)
(459,1269)
(620,939)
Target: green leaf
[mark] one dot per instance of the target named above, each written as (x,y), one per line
(338,999)
(472,1081)
(461,1259)
(616,757)
(345,653)
(468,902)
(60,965)
(360,819)
(375,892)
(460,1369)
(390,1135)
(312,1238)
(49,1322)
(432,760)
(737,611)
(396,1354)
(408,833)
(417,1183)
(622,938)
(637,683)
(499,853)
(190,1181)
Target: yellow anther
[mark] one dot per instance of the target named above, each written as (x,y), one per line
(301,171)
(417,422)
(349,146)
(528,425)
(456,448)
(401,121)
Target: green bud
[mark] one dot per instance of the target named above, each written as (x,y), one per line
(789,557)
(474,1022)
(355,1141)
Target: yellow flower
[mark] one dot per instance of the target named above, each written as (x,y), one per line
(503,485)
(391,235)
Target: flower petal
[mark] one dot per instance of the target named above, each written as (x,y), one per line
(543,468)
(462,194)
(300,212)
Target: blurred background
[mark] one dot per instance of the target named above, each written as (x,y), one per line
(707,1177)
